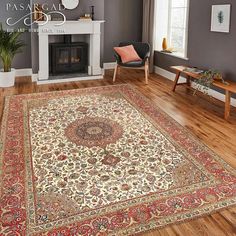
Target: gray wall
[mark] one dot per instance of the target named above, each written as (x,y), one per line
(207,49)
(123,22)
(26,53)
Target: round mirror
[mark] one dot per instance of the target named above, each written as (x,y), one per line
(70,4)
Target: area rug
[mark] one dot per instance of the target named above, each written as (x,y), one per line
(103,161)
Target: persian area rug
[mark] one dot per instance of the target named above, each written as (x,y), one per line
(103,161)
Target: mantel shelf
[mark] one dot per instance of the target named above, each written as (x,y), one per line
(71,21)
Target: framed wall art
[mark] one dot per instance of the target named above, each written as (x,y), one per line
(220,18)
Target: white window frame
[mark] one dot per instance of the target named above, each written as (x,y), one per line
(168,36)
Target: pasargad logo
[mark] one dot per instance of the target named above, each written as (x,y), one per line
(35,13)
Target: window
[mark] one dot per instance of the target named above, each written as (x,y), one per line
(172,23)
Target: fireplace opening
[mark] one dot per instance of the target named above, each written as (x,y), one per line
(68,57)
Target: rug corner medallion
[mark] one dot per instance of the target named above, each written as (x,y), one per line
(102,161)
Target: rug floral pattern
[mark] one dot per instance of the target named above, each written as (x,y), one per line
(103,161)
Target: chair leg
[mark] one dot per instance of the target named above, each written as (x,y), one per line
(146,73)
(115,73)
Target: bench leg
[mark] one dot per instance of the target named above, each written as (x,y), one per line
(188,80)
(176,81)
(227,104)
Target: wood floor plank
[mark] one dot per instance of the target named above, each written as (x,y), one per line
(201,115)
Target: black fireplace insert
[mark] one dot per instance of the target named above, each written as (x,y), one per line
(68,57)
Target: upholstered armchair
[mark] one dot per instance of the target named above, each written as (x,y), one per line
(143,50)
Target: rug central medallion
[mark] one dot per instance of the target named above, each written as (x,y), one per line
(94,131)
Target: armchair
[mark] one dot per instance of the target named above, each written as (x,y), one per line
(143,50)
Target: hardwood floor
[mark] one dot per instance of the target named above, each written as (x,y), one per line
(201,115)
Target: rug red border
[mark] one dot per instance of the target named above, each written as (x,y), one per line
(141,216)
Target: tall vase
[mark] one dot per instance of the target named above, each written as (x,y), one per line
(164,44)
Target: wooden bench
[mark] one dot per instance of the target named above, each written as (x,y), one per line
(229,88)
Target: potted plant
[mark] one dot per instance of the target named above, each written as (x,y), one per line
(206,80)
(10,45)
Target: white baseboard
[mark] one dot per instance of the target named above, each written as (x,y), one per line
(109,65)
(24,72)
(171,76)
(167,74)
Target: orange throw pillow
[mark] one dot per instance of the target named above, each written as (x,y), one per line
(127,54)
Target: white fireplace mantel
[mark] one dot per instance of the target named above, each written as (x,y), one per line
(92,28)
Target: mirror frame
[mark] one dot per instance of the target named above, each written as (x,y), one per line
(66,3)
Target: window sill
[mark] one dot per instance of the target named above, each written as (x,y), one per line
(174,54)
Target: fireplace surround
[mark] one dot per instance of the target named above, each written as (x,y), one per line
(90,28)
